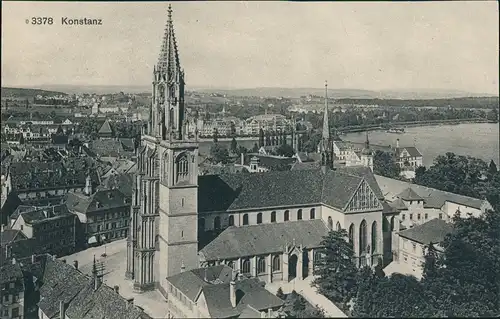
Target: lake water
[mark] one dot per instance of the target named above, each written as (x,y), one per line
(477,140)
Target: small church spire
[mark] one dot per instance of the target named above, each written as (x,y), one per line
(326,126)
(169,56)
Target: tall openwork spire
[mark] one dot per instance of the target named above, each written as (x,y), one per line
(169,55)
(326,126)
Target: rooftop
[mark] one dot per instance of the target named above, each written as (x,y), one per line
(236,242)
(433,231)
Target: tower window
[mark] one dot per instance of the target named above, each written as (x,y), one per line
(182,202)
(182,168)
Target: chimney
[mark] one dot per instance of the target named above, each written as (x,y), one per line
(116,289)
(97,282)
(242,159)
(75,264)
(62,309)
(232,293)
(88,186)
(397,143)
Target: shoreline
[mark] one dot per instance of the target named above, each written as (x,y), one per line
(377,128)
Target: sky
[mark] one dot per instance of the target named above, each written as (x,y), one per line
(353,45)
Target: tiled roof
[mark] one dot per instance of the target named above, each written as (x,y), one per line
(190,282)
(271,162)
(433,198)
(108,148)
(61,282)
(106,199)
(433,231)
(398,204)
(123,182)
(10,272)
(22,209)
(105,128)
(59,139)
(10,235)
(24,248)
(236,242)
(409,195)
(221,169)
(40,214)
(9,206)
(305,166)
(281,188)
(214,281)
(128,144)
(413,151)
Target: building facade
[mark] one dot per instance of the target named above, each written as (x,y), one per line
(12,291)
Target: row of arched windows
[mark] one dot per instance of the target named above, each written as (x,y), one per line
(364,246)
(261,265)
(330,224)
(217,220)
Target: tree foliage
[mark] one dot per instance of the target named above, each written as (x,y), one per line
(285,150)
(335,268)
(385,165)
(234,145)
(219,153)
(464,175)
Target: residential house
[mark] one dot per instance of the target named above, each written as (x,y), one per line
(413,243)
(217,292)
(104,213)
(12,291)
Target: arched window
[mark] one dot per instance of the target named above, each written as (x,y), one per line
(362,238)
(217,223)
(231,220)
(392,223)
(287,215)
(259,218)
(330,223)
(245,267)
(201,224)
(273,217)
(245,219)
(165,167)
(385,225)
(351,234)
(312,214)
(261,265)
(276,263)
(339,228)
(230,263)
(299,214)
(374,237)
(182,168)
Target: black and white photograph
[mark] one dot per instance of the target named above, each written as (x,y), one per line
(249,159)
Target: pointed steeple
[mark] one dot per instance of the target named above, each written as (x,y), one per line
(168,61)
(326,126)
(366,149)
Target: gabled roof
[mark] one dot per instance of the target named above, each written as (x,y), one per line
(398,204)
(271,162)
(409,195)
(236,242)
(281,189)
(105,128)
(100,200)
(213,283)
(413,151)
(10,235)
(433,198)
(434,231)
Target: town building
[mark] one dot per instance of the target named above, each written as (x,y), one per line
(219,292)
(413,243)
(54,228)
(267,122)
(12,294)
(105,132)
(172,207)
(104,213)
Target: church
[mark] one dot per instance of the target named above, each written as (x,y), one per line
(270,223)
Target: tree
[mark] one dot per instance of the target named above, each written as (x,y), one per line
(21,140)
(219,154)
(335,268)
(280,294)
(216,135)
(234,145)
(233,129)
(385,165)
(492,169)
(255,148)
(261,137)
(285,150)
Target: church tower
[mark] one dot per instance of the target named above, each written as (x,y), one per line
(367,154)
(325,145)
(164,224)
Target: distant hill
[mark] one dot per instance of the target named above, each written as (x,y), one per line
(416,94)
(7,92)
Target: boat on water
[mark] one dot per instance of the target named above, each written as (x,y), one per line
(396,130)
